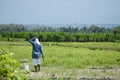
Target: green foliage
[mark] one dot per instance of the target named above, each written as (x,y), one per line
(116,30)
(93,33)
(71,57)
(72,54)
(66,58)
(8,67)
(92,45)
(65,37)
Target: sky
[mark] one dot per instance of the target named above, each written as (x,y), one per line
(60,11)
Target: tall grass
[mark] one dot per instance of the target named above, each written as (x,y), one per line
(67,57)
(80,57)
(92,45)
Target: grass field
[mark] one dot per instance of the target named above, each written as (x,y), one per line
(69,59)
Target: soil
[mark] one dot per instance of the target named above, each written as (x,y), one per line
(111,73)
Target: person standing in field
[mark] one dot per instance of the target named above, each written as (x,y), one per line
(36,53)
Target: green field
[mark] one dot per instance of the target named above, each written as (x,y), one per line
(67,58)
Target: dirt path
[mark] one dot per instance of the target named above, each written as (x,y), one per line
(78,74)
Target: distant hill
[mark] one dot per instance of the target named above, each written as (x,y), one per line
(31,26)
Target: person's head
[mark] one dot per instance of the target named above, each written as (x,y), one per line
(37,40)
(34,38)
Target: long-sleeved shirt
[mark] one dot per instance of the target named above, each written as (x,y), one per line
(36,49)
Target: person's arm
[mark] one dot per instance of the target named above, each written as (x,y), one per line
(43,57)
(31,40)
(42,53)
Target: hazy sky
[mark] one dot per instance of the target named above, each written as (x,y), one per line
(60,11)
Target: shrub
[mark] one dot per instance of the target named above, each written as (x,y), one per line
(8,67)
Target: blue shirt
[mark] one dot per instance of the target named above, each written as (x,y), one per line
(36,49)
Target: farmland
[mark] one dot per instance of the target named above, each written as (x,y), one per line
(72,59)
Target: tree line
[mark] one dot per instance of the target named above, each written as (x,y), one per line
(62,34)
(70,29)
(12,28)
(64,37)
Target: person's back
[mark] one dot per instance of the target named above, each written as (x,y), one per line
(36,52)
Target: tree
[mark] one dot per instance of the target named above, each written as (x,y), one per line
(94,28)
(116,30)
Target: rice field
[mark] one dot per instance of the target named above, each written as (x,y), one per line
(73,59)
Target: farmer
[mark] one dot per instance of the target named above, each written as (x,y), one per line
(36,53)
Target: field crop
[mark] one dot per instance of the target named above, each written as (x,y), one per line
(69,57)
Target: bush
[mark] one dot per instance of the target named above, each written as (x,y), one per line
(8,67)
